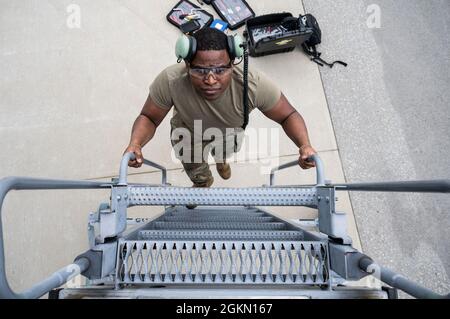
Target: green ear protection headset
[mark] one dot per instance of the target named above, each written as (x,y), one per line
(186,47)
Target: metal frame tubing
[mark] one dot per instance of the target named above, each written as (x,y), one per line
(437,186)
(398,281)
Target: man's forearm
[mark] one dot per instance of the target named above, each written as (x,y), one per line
(143,131)
(295,128)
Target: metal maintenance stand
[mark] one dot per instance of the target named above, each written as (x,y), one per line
(226,248)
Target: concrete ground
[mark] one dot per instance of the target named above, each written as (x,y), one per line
(390,112)
(69,99)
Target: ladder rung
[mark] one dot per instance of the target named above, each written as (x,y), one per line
(184,209)
(219,225)
(221,218)
(195,213)
(219,235)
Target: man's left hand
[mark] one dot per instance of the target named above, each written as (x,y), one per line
(306,151)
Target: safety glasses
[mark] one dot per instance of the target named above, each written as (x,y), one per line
(203,73)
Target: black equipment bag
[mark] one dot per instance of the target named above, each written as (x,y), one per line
(275,33)
(310,46)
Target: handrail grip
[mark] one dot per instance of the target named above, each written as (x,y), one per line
(320,175)
(123,173)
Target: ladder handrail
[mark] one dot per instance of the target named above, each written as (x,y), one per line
(320,174)
(123,172)
(64,274)
(430,186)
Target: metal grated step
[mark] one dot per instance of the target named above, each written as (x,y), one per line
(238,218)
(209,262)
(218,225)
(184,209)
(219,235)
(236,245)
(257,196)
(195,213)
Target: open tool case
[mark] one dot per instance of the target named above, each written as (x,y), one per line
(268,34)
(186,8)
(234,12)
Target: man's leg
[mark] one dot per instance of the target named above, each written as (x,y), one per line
(228,148)
(197,169)
(224,170)
(199,174)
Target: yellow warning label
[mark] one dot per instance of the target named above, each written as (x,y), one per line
(284,42)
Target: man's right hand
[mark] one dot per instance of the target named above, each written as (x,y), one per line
(137,150)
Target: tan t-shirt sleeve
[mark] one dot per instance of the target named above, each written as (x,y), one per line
(267,93)
(160,91)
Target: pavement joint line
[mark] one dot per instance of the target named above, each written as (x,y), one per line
(338,149)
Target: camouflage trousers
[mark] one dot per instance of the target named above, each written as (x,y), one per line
(197,167)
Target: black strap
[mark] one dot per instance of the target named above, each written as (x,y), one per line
(246,109)
(319,59)
(316,56)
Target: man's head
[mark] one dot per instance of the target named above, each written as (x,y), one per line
(210,70)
